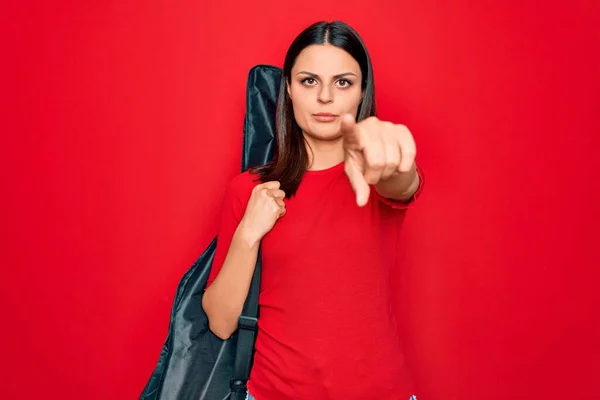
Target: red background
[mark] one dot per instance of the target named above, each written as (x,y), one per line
(122,121)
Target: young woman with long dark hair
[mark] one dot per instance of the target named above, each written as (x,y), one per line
(327,209)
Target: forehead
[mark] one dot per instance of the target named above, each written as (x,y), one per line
(325,60)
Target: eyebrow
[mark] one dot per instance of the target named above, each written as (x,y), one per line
(335,76)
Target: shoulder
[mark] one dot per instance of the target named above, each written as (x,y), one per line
(237,194)
(241,185)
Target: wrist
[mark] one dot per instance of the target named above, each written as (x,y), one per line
(399,186)
(247,236)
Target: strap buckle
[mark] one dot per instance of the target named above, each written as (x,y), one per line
(248,323)
(238,385)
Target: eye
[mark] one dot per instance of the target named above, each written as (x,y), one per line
(344,83)
(308,81)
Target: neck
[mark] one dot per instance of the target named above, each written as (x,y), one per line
(323,154)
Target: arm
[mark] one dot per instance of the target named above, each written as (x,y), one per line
(224,299)
(241,230)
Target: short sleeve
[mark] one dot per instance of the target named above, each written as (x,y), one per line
(232,210)
(403,205)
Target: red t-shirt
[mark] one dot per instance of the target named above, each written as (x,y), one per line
(326,326)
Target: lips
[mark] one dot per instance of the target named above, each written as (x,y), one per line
(325,117)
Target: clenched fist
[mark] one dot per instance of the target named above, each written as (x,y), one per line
(265,207)
(374,151)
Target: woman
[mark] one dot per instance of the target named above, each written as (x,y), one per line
(327,210)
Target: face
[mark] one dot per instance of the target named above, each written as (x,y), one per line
(325,84)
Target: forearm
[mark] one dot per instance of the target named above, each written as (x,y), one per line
(224,299)
(399,186)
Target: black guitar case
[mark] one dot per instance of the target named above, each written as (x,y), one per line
(194,364)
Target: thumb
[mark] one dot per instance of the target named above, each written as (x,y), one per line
(273,185)
(358,182)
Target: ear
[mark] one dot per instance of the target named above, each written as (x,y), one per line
(287,87)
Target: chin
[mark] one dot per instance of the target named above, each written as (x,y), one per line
(324,131)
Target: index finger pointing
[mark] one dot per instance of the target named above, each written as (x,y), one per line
(348,124)
(359,184)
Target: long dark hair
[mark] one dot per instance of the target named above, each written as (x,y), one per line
(290,160)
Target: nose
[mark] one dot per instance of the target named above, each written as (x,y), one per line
(325,95)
